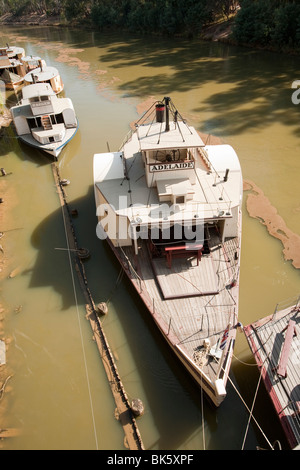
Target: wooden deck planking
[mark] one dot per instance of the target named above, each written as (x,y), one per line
(197,317)
(266,339)
(185,278)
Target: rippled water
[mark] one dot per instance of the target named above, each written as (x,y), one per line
(60,396)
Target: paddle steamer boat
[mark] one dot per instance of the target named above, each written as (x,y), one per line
(170,208)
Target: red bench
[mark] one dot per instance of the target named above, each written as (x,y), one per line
(183,251)
(284,357)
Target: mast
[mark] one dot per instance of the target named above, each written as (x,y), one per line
(167,101)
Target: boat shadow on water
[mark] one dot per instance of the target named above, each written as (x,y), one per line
(173,400)
(11,143)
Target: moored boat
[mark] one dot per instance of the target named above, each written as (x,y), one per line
(43,120)
(274,342)
(31,62)
(44,74)
(170,208)
(12,70)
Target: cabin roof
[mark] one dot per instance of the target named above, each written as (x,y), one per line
(157,138)
(37,89)
(46,73)
(131,196)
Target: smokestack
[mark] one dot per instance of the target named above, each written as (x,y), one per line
(226,175)
(160,111)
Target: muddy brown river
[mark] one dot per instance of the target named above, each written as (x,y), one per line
(60,397)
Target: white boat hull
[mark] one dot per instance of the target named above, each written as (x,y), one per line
(55,149)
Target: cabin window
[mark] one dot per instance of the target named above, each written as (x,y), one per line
(31,123)
(59,119)
(34,122)
(179,200)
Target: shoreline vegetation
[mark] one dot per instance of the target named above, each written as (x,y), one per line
(272,25)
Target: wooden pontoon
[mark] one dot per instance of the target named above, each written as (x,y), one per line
(170,208)
(275,344)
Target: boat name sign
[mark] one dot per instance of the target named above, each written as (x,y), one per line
(171,166)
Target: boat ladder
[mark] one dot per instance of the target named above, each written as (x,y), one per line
(46,122)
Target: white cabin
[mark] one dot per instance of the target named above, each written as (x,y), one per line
(173,177)
(45,74)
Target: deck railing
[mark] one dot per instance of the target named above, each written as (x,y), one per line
(290,302)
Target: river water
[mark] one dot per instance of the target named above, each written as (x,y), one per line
(60,397)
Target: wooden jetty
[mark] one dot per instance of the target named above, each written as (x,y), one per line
(124,411)
(275,344)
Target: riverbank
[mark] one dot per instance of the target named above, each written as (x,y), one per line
(218,31)
(34,19)
(5,118)
(6,258)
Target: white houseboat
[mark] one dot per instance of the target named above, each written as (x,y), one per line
(45,74)
(43,120)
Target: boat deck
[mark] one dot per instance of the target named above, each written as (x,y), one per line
(180,299)
(184,278)
(274,342)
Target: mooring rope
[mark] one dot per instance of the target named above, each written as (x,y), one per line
(80,329)
(251,412)
(202,412)
(246,406)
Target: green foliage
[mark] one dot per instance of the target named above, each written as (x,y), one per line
(168,17)
(24,7)
(104,13)
(163,16)
(274,23)
(287,25)
(254,22)
(267,23)
(75,9)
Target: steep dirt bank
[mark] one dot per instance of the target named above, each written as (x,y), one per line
(6,373)
(32,19)
(5,118)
